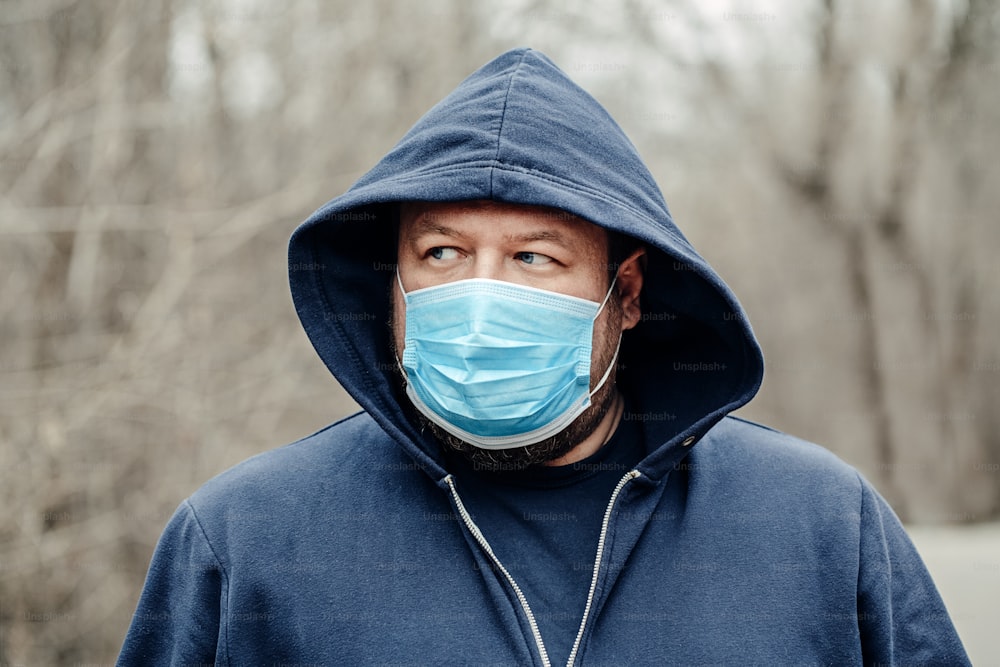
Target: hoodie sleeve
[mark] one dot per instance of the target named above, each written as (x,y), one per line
(901,616)
(182,608)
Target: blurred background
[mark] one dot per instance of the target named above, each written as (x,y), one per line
(835,160)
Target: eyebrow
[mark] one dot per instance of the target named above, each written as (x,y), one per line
(426,226)
(538,235)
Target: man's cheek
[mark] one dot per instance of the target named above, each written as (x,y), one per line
(397,322)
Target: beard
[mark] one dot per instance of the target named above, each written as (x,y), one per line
(606,342)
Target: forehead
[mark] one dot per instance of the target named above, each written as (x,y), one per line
(490,221)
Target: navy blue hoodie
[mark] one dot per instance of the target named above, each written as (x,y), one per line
(728,543)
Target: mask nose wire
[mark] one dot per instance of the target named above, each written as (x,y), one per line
(604,302)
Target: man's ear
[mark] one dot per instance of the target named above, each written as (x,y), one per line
(629,286)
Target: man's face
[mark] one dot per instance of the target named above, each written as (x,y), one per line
(528,245)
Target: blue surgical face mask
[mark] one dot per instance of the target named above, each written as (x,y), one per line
(496,364)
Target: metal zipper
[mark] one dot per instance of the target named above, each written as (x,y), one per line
(481,539)
(632,474)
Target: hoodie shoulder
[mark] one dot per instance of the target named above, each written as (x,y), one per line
(766,461)
(333,450)
(348,464)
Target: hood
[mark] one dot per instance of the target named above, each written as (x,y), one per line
(518,130)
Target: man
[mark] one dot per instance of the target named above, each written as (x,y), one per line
(545,471)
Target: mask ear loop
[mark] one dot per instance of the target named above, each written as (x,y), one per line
(399,363)
(614,359)
(607,372)
(399,281)
(603,303)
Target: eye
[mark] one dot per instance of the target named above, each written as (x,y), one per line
(533,258)
(443,253)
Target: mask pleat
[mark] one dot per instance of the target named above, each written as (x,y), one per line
(495,362)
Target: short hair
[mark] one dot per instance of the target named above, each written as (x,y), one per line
(620,246)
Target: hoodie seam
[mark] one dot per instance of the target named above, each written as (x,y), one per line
(222,569)
(583,189)
(503,115)
(570,185)
(347,342)
(861,518)
(858,583)
(868,498)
